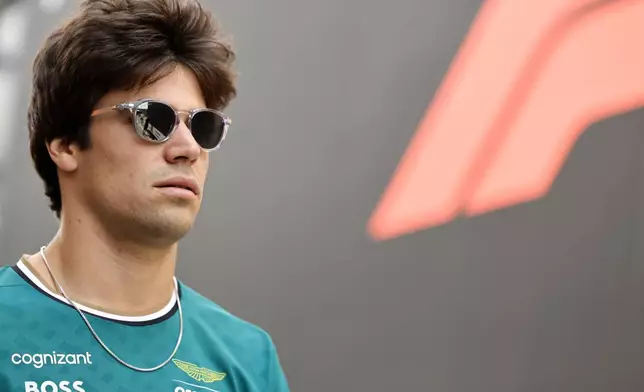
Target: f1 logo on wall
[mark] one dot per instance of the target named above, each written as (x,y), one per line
(530,77)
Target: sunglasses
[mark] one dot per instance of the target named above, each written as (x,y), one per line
(155,121)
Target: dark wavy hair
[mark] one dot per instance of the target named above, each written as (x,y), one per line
(119,45)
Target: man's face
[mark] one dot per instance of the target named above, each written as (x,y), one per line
(118,177)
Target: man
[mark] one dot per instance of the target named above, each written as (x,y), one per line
(125,110)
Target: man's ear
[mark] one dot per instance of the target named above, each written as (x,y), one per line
(64,154)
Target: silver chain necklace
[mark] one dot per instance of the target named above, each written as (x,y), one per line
(98,339)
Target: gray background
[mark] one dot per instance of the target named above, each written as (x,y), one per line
(544,296)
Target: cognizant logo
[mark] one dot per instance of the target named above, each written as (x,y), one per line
(53,358)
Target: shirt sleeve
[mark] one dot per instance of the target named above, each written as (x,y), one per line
(276,378)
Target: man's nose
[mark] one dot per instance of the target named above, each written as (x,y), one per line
(182,146)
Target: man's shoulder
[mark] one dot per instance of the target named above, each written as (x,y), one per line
(10,279)
(15,287)
(222,323)
(20,304)
(237,341)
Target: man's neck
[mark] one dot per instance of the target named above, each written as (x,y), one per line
(98,271)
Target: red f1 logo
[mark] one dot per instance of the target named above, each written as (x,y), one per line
(530,77)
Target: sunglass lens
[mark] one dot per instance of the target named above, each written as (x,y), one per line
(208,128)
(154,120)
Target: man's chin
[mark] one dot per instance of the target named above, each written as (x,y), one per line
(178,226)
(168,226)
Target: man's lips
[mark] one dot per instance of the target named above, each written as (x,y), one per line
(179,182)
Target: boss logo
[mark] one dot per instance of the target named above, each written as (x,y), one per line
(50,386)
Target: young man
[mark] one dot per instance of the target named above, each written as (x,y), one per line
(125,109)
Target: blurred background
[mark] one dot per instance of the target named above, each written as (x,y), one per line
(543,293)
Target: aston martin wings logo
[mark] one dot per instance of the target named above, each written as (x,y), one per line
(199,373)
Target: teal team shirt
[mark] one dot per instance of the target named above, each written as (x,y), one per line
(46,347)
